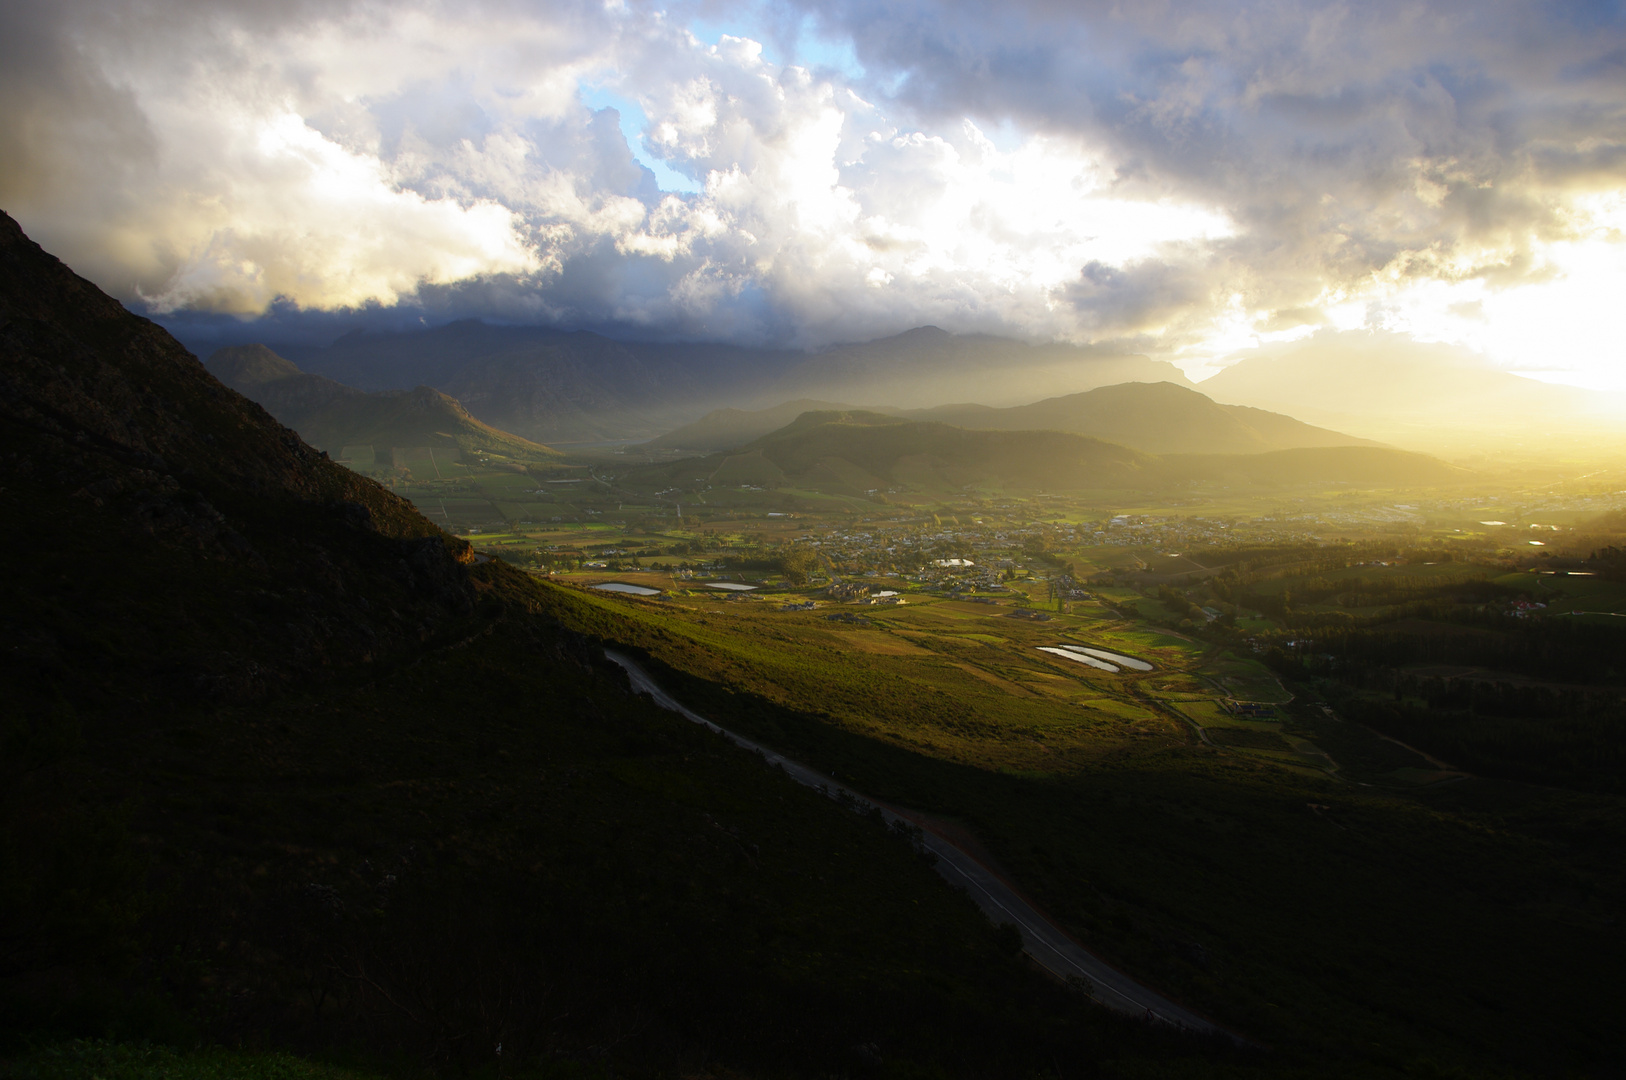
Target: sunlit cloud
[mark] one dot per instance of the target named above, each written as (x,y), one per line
(296,217)
(1192,186)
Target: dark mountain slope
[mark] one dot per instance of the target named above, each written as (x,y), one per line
(331,416)
(282,765)
(118,445)
(1154,418)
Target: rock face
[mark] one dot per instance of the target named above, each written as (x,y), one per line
(141,491)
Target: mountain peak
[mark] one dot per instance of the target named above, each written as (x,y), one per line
(926,333)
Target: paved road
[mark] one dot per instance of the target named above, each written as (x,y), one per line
(1042,939)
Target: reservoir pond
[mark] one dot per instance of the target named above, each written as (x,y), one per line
(1111,657)
(1068,654)
(622,587)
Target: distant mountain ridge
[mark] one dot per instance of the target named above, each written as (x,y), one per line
(724,429)
(331,416)
(549,385)
(1154,418)
(928,366)
(555,386)
(1390,387)
(857,452)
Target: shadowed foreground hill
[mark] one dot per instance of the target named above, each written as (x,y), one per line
(281,765)
(331,416)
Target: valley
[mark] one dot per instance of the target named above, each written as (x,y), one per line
(753,540)
(927,654)
(1283,736)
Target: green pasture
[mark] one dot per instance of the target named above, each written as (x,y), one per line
(1210,713)
(1432,573)
(1569,592)
(1348,930)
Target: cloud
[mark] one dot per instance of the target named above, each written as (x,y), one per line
(1355,147)
(1186,175)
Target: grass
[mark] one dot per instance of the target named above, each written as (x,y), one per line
(1570,594)
(1335,935)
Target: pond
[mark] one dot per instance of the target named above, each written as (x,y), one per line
(731,586)
(623,587)
(1068,654)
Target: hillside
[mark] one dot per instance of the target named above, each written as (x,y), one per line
(1154,418)
(283,765)
(331,416)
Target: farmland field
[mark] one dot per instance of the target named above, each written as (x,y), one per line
(1067,773)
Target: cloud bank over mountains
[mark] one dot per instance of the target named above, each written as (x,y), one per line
(1188,178)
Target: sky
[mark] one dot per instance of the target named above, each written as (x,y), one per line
(1182,178)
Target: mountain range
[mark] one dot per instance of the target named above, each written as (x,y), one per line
(1123,436)
(1431,396)
(1155,418)
(854,452)
(928,366)
(331,416)
(554,386)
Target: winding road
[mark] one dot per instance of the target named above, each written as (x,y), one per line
(1042,939)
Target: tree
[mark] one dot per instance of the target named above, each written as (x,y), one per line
(798,562)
